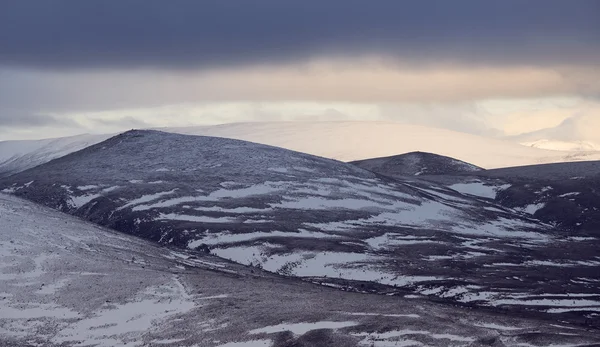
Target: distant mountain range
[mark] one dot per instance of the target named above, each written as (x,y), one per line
(345,141)
(573,146)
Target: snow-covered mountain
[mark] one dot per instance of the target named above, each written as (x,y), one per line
(416,164)
(345,141)
(350,141)
(322,220)
(65,282)
(575,146)
(17,156)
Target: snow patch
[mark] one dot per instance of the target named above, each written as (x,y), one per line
(302,328)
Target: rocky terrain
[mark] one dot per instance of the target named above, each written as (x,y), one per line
(65,282)
(325,221)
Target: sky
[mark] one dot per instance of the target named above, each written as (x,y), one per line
(523,70)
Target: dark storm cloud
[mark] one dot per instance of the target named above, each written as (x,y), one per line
(191,33)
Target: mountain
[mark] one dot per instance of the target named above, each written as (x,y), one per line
(345,141)
(415,164)
(351,141)
(65,282)
(322,220)
(17,156)
(563,145)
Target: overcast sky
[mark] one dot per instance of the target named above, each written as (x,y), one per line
(528,68)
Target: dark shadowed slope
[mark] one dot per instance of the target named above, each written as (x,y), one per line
(65,282)
(323,220)
(564,194)
(416,164)
(555,171)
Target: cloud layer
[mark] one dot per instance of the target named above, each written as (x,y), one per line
(68,66)
(191,34)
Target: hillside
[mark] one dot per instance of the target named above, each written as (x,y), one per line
(415,164)
(325,221)
(65,282)
(564,195)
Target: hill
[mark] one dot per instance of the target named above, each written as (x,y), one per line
(65,282)
(322,220)
(416,164)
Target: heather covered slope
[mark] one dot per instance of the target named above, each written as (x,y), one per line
(564,195)
(65,282)
(416,164)
(319,219)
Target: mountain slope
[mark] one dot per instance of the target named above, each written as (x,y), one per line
(315,218)
(415,164)
(565,195)
(16,156)
(65,282)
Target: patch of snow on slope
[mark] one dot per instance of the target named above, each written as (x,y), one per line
(532,208)
(80,201)
(204,219)
(147,198)
(228,237)
(251,343)
(396,337)
(478,188)
(497,326)
(257,189)
(566,195)
(110,325)
(317,203)
(88,187)
(301,328)
(351,266)
(502,227)
(389,239)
